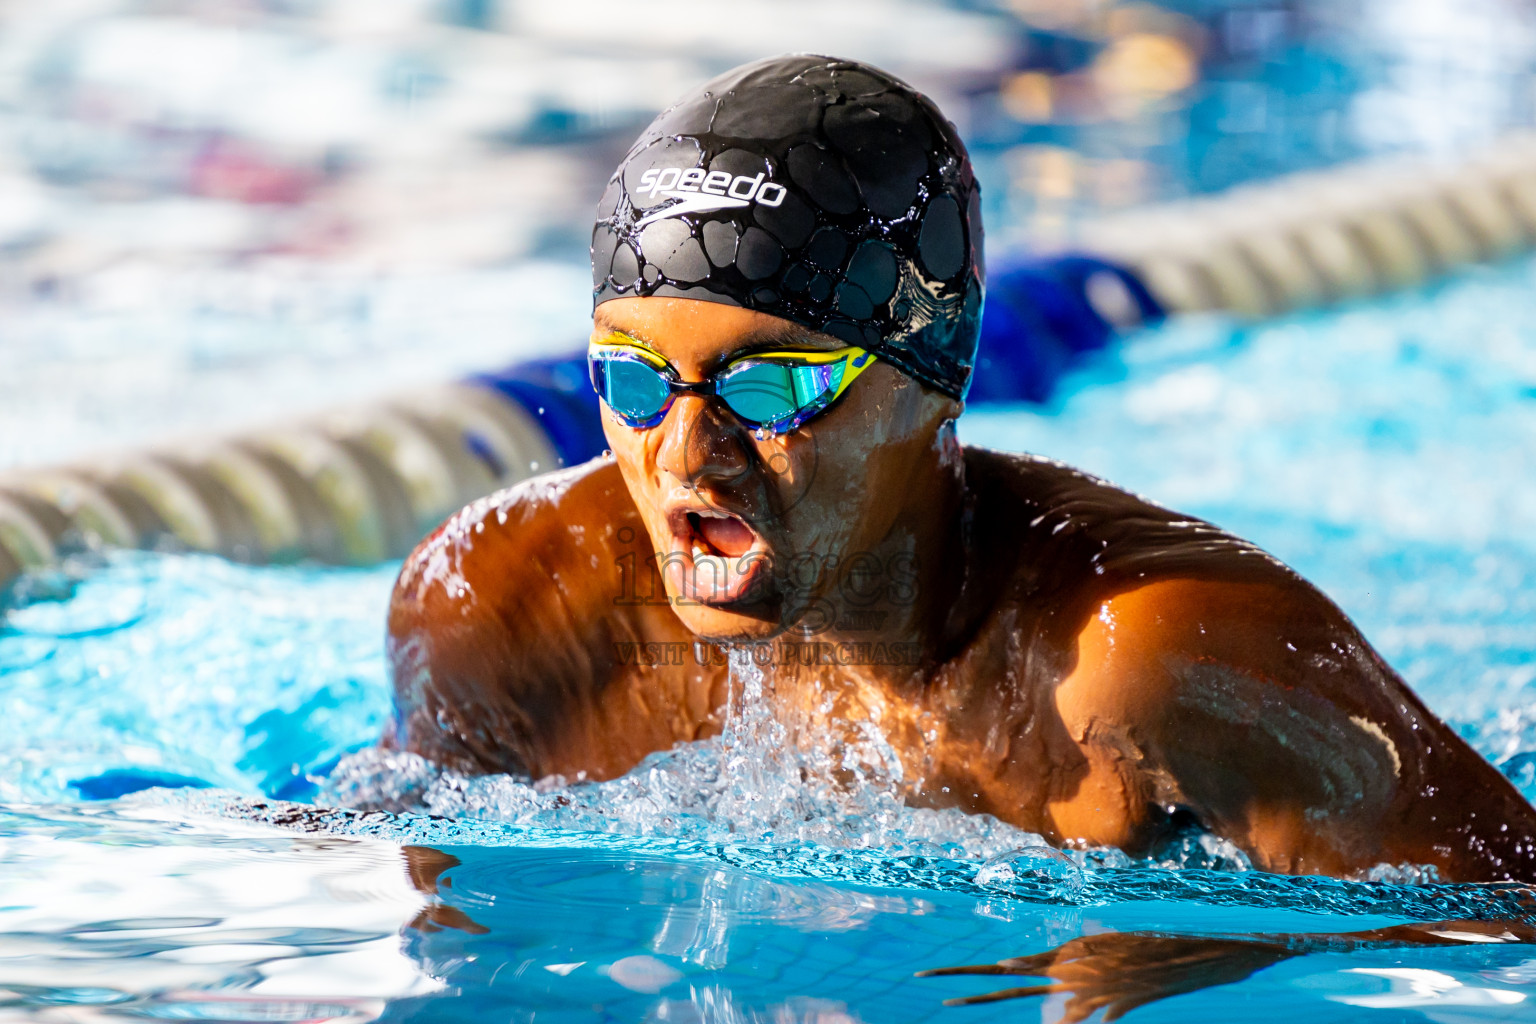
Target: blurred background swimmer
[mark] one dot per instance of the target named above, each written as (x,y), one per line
(780,374)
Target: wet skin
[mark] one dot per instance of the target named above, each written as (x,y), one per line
(1040,646)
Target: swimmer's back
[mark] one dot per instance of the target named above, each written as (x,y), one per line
(1080,533)
(1061,543)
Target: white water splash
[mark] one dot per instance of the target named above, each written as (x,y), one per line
(771,777)
(782,773)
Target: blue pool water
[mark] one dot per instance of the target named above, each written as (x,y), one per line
(1386,450)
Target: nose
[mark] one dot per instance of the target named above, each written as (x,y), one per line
(701,443)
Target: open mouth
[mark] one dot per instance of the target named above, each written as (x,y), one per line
(722,556)
(720,534)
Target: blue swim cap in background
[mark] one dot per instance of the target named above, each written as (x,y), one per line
(822,191)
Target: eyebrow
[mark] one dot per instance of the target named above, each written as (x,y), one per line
(785,335)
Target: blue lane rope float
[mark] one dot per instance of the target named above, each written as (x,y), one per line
(118,782)
(366,483)
(556,393)
(1043,315)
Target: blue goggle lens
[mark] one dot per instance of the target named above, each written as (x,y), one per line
(633,390)
(768,394)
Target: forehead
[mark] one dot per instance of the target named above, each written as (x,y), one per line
(700,333)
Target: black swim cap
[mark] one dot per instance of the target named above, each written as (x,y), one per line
(819,190)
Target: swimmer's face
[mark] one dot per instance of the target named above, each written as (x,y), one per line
(753,532)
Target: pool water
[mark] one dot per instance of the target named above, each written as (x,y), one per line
(1387,450)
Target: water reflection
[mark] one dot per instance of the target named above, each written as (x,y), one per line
(157,910)
(641,937)
(102,916)
(698,930)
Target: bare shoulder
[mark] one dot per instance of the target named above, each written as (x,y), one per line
(1160,619)
(1074,541)
(1154,646)
(1156,593)
(504,616)
(514,648)
(1194,670)
(512,546)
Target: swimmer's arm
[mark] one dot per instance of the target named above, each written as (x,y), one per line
(1258,710)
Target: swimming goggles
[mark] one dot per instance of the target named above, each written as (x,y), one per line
(769,392)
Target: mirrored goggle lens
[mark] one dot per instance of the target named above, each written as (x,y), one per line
(632,389)
(767,394)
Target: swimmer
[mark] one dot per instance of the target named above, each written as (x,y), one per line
(788,282)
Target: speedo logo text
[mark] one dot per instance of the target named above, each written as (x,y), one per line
(700,191)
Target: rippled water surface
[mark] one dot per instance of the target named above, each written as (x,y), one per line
(1386,450)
